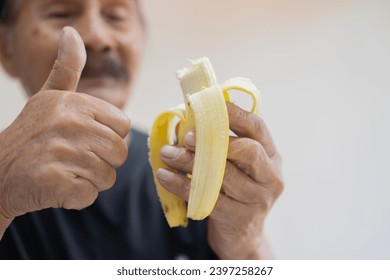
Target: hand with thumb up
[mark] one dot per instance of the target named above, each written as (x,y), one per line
(63,148)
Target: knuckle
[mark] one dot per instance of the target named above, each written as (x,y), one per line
(258,123)
(268,198)
(116,149)
(246,147)
(279,186)
(58,149)
(66,110)
(123,124)
(265,200)
(126,124)
(65,123)
(65,100)
(240,115)
(250,156)
(255,150)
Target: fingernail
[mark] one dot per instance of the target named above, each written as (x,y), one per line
(170,151)
(63,44)
(189,139)
(164,174)
(71,51)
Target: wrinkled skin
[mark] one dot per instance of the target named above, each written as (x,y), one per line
(251,184)
(64,146)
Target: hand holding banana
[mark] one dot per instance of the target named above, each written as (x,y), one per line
(234,179)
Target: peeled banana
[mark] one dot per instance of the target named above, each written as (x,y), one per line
(205,111)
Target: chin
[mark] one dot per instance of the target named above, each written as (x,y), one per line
(111,91)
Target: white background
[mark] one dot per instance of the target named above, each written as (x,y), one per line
(324,71)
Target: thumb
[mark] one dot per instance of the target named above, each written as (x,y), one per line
(66,71)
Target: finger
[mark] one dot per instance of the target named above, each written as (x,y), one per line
(94,136)
(70,191)
(66,71)
(89,107)
(108,115)
(107,145)
(226,208)
(177,158)
(189,140)
(247,155)
(174,182)
(80,194)
(246,124)
(87,165)
(180,186)
(97,171)
(250,157)
(240,187)
(236,184)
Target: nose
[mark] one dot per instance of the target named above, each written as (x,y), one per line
(95,33)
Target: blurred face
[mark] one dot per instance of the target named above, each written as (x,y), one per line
(112,32)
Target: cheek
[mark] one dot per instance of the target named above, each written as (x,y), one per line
(36,52)
(131,50)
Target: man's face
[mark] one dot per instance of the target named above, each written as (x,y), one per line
(112,32)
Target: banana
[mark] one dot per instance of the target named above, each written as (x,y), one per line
(204,110)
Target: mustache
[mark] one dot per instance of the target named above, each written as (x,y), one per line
(104,66)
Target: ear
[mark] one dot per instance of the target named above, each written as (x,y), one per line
(6,51)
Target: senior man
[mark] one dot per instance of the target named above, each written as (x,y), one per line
(75,183)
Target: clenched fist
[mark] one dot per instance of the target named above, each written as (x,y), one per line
(63,148)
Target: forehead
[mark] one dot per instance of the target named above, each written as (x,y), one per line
(79,2)
(12,9)
(8,6)
(25,4)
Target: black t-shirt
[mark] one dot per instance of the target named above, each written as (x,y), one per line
(125,222)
